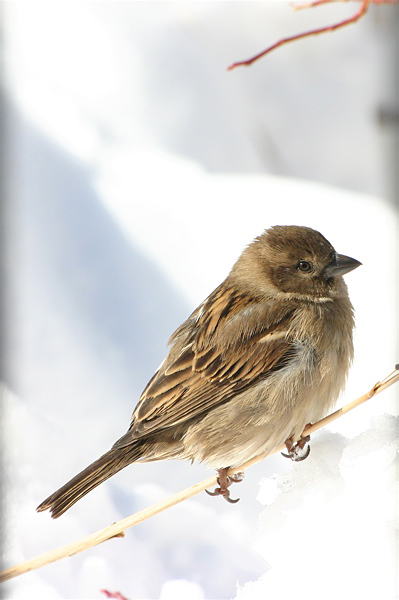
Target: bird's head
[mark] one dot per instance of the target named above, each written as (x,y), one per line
(295,261)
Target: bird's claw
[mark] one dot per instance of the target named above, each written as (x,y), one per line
(226,495)
(225,482)
(297,454)
(297,451)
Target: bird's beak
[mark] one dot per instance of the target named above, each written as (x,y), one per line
(340,265)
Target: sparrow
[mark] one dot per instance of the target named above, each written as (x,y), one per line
(263,356)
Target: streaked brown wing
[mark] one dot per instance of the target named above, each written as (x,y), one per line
(216,362)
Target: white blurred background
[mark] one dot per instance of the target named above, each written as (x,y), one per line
(135,169)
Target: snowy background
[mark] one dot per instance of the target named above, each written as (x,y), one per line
(136,170)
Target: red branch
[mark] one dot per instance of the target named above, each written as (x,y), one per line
(115,595)
(358,15)
(318,2)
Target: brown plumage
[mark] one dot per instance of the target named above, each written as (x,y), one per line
(266,353)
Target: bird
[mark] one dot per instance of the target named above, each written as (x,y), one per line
(263,356)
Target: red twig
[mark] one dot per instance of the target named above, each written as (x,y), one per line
(115,595)
(318,2)
(360,13)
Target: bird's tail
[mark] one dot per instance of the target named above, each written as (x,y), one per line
(100,470)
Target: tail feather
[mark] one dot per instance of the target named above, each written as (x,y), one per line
(100,470)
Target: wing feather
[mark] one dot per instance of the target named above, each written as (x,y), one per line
(224,348)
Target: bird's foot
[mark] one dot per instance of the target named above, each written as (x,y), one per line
(298,451)
(225,482)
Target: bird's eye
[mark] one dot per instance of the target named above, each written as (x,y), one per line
(305,266)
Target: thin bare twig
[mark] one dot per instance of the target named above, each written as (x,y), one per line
(358,15)
(314,3)
(118,529)
(114,595)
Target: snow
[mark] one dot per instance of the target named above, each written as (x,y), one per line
(340,536)
(138,169)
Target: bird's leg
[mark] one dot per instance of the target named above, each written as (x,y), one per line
(225,482)
(296,450)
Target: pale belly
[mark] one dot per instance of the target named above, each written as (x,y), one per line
(261,419)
